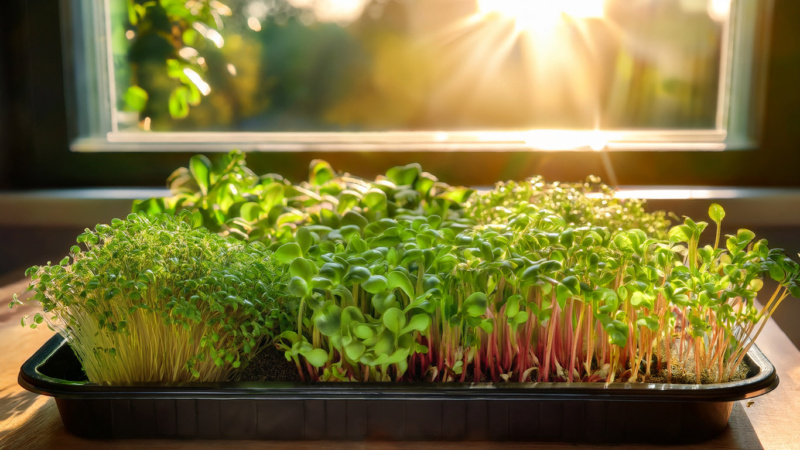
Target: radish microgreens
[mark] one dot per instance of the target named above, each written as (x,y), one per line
(529,300)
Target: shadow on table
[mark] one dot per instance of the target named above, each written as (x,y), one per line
(39,430)
(740,432)
(15,404)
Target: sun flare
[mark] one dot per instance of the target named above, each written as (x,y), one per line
(541,14)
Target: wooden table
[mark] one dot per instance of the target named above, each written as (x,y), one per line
(28,420)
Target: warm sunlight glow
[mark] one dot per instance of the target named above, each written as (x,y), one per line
(188,53)
(678,193)
(258,9)
(254,23)
(209,33)
(340,11)
(583,9)
(719,10)
(534,14)
(567,140)
(221,8)
(543,40)
(198,81)
(542,14)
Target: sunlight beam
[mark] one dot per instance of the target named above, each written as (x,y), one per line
(541,15)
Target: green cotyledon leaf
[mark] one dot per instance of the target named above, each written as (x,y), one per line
(286,253)
(375,284)
(475,305)
(400,280)
(316,357)
(328,319)
(394,319)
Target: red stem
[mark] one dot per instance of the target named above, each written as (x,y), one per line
(477,367)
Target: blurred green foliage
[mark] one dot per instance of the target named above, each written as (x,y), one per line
(209,65)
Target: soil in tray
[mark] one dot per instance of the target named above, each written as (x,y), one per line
(271,365)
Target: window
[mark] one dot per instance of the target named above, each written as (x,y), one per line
(413,75)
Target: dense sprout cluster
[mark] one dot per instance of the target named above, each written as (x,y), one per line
(579,204)
(151,299)
(228,198)
(530,300)
(407,278)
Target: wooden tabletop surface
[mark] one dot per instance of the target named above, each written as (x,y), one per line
(28,420)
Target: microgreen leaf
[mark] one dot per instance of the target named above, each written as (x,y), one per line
(298,287)
(316,357)
(418,322)
(394,320)
(716,213)
(303,268)
(400,280)
(286,253)
(375,199)
(328,319)
(200,167)
(375,284)
(475,305)
(320,172)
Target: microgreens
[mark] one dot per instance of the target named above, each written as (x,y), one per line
(151,299)
(228,198)
(407,278)
(530,299)
(579,204)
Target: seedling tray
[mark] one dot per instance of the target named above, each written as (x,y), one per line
(577,412)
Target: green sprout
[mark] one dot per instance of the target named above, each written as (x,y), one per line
(530,299)
(405,278)
(151,299)
(228,198)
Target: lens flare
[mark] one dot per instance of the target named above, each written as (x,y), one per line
(541,14)
(719,10)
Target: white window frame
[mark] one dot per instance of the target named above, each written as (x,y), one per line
(90,79)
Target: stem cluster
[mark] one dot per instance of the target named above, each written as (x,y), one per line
(152,300)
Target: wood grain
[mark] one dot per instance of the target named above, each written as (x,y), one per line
(28,420)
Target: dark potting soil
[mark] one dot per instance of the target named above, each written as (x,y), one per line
(269,365)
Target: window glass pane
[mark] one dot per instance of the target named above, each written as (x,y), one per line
(417,65)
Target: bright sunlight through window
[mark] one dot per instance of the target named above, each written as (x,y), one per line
(536,15)
(434,75)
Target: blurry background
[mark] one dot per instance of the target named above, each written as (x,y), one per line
(396,65)
(384,65)
(433,65)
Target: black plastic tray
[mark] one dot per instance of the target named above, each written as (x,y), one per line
(576,412)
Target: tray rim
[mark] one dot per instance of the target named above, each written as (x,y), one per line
(763,382)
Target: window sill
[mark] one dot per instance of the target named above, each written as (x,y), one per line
(745,207)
